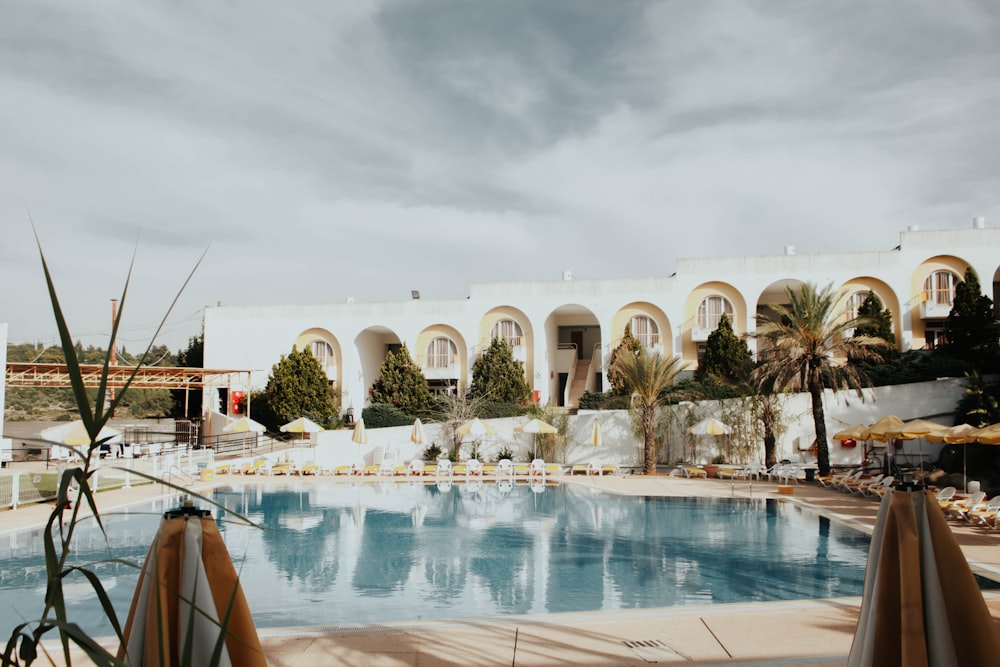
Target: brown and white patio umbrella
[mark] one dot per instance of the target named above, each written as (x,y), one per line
(596,439)
(188,607)
(921,604)
(417,434)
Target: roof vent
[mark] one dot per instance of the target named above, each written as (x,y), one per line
(913,228)
(567,275)
(789,250)
(979,222)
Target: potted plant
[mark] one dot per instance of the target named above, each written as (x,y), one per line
(712,469)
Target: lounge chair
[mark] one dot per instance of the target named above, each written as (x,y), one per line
(945,497)
(958,508)
(280,469)
(880,488)
(731,472)
(537,468)
(305,469)
(505,467)
(579,469)
(594,468)
(444,468)
(691,471)
(459,469)
(416,468)
(387,467)
(858,486)
(474,468)
(984,515)
(253,468)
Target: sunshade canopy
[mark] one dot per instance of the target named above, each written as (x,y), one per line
(243,425)
(958,434)
(917,428)
(476,427)
(710,426)
(882,429)
(301,425)
(856,432)
(989,435)
(75,434)
(536,426)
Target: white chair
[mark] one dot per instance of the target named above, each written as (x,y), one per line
(505,467)
(444,468)
(473,468)
(387,467)
(416,467)
(537,468)
(594,468)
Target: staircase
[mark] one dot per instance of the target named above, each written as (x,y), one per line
(579,384)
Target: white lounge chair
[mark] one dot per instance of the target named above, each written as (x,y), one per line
(473,468)
(537,468)
(443,468)
(594,468)
(416,467)
(505,467)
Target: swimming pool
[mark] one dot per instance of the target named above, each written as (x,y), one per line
(338,554)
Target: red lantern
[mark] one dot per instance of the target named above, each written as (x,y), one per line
(850,442)
(237,401)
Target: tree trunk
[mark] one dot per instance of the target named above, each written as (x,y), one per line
(819,419)
(649,453)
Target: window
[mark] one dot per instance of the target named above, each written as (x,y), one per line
(645,330)
(509,330)
(710,312)
(323,352)
(441,353)
(854,303)
(939,288)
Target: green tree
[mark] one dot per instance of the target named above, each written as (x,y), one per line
(628,344)
(877,320)
(497,376)
(980,402)
(801,344)
(402,384)
(972,331)
(297,387)
(187,400)
(727,356)
(651,375)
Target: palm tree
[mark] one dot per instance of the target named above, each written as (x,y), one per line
(806,345)
(650,376)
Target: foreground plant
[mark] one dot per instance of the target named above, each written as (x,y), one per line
(24,644)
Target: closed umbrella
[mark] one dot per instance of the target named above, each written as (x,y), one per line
(595,434)
(417,434)
(360,435)
(302,425)
(188,606)
(921,604)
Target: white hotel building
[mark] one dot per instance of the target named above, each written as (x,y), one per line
(563,331)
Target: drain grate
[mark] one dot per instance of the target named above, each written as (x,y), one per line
(654,650)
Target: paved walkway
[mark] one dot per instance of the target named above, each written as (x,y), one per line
(810,632)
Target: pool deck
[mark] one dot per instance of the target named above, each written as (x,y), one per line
(807,632)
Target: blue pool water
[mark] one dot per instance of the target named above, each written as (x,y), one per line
(339,554)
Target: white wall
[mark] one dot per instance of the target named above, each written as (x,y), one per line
(934,401)
(6,445)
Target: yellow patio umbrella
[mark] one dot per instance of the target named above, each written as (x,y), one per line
(536,426)
(75,434)
(881,429)
(710,426)
(243,425)
(301,425)
(360,435)
(917,428)
(417,434)
(596,439)
(959,434)
(476,427)
(856,432)
(989,435)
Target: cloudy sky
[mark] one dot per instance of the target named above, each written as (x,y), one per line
(326,149)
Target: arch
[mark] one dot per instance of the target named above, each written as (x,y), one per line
(700,320)
(443,356)
(574,354)
(861,285)
(315,340)
(373,344)
(524,351)
(627,313)
(932,290)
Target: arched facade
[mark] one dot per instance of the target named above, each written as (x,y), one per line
(574,354)
(326,348)
(443,355)
(513,324)
(932,290)
(658,337)
(702,311)
(854,292)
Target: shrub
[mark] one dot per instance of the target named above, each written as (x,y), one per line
(381,415)
(500,409)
